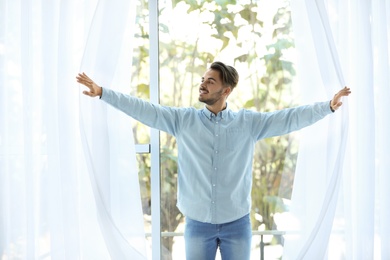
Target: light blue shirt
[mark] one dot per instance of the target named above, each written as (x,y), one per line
(215,152)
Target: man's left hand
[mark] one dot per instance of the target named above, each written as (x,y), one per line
(335,103)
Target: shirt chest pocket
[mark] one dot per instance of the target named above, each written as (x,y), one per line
(234,137)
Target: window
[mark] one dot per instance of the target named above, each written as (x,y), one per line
(255,37)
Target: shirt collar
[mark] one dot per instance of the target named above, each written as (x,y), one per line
(222,114)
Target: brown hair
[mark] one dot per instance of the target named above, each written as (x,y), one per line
(228,73)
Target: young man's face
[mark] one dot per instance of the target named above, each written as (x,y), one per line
(211,89)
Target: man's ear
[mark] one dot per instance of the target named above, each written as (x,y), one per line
(227,91)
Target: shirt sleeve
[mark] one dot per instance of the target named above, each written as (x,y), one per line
(288,120)
(156,116)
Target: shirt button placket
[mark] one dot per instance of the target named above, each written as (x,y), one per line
(214,175)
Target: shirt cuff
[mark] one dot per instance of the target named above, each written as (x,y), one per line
(102,93)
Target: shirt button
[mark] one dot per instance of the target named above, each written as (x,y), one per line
(216,135)
(212,202)
(215,168)
(216,122)
(213,185)
(216,151)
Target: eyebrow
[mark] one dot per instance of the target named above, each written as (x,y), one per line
(210,78)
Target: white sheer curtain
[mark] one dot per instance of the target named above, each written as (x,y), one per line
(68,177)
(341,200)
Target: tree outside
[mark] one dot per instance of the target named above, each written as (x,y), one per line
(256,38)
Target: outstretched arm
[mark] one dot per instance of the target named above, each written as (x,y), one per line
(164,118)
(335,103)
(284,121)
(94,89)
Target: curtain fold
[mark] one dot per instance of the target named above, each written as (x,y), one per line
(68,185)
(381,43)
(339,201)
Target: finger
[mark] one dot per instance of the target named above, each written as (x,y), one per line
(85,76)
(85,84)
(346,90)
(336,105)
(84,79)
(81,77)
(343,94)
(87,93)
(81,80)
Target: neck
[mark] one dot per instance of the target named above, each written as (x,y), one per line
(216,108)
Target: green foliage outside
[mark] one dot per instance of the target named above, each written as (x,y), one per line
(258,41)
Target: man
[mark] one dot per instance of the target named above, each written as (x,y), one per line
(215,147)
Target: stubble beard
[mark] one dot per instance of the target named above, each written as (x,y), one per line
(211,100)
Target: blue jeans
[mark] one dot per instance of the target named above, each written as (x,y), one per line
(233,239)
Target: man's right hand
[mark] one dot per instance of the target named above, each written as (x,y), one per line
(94,89)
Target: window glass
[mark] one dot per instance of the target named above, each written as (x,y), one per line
(256,38)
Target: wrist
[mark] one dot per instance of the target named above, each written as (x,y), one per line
(331,108)
(100,92)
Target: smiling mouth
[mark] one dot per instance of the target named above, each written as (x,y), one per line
(203,91)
